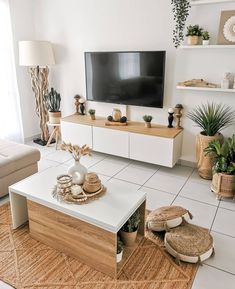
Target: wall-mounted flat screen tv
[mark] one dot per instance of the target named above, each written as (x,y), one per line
(130,78)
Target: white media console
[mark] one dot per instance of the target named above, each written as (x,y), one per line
(157,145)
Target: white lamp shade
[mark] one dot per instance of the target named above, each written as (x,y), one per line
(36,53)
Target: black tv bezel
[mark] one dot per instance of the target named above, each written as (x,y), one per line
(121,103)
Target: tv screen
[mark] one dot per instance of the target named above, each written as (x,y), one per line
(130,78)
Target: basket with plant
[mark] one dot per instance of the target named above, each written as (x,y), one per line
(223,181)
(53,100)
(193,34)
(130,228)
(211,118)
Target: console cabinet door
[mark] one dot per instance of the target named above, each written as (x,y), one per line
(111,141)
(152,149)
(76,133)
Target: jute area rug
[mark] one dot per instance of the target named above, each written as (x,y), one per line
(28,264)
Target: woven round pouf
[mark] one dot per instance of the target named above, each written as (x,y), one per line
(189,243)
(165,218)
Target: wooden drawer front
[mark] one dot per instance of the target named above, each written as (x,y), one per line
(76,133)
(110,141)
(152,149)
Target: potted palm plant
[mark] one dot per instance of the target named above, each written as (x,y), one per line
(193,34)
(119,250)
(130,228)
(147,119)
(223,181)
(211,118)
(53,100)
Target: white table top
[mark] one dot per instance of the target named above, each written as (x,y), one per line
(109,212)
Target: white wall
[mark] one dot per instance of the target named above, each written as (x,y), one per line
(76,26)
(23,29)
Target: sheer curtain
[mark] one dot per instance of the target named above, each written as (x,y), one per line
(10,116)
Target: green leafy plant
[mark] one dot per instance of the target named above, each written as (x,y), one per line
(132,224)
(119,245)
(53,100)
(147,118)
(205,35)
(180,11)
(212,118)
(194,30)
(91,111)
(224,155)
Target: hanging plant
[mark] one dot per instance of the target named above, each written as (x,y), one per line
(181,11)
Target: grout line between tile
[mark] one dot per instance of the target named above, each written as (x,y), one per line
(219,269)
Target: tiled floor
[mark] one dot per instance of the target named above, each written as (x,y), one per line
(180,185)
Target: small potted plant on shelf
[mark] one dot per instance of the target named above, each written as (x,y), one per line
(119,250)
(92,113)
(223,181)
(193,34)
(205,38)
(147,119)
(211,118)
(53,100)
(130,228)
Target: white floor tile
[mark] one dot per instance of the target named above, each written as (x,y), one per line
(227,204)
(224,257)
(211,278)
(157,199)
(203,214)
(199,192)
(165,183)
(44,150)
(59,156)
(124,184)
(5,286)
(177,171)
(197,179)
(224,222)
(137,173)
(44,164)
(109,166)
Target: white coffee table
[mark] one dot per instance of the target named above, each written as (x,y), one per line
(87,232)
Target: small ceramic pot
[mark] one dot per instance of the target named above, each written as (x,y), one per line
(192,40)
(205,42)
(119,256)
(128,238)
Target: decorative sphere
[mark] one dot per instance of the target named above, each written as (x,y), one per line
(123,119)
(110,118)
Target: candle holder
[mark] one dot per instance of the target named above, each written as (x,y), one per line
(178,115)
(170,117)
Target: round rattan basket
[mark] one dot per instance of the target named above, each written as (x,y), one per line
(223,185)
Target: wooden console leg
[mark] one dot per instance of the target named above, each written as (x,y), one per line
(51,136)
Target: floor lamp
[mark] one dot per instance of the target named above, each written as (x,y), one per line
(38,55)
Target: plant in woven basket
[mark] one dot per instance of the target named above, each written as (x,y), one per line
(180,11)
(193,34)
(53,100)
(211,118)
(224,155)
(129,229)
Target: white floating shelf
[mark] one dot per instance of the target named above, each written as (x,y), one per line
(207,46)
(201,2)
(205,89)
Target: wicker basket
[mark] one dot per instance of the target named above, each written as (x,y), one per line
(205,163)
(223,185)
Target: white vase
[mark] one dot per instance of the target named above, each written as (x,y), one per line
(78,172)
(119,257)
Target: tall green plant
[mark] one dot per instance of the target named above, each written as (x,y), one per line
(181,11)
(224,155)
(212,117)
(53,100)
(132,224)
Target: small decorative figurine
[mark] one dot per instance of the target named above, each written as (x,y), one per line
(77,97)
(170,117)
(178,115)
(82,106)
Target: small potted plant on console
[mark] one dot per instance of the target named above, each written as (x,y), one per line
(193,34)
(92,113)
(205,38)
(223,181)
(53,100)
(147,119)
(130,228)
(119,250)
